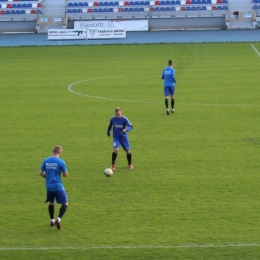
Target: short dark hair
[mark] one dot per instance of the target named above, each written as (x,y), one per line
(169,62)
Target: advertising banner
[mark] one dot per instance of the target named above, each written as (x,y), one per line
(66,34)
(135,25)
(106,33)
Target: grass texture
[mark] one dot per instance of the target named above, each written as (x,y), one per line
(194,191)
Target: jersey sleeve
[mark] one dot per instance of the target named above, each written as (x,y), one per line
(129,126)
(43,168)
(63,166)
(109,127)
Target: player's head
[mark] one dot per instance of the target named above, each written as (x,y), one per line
(118,112)
(57,149)
(169,62)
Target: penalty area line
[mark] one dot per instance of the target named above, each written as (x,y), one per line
(255,49)
(129,247)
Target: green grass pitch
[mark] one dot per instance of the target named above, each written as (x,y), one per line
(194,191)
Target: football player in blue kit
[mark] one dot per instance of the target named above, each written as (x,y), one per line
(168,74)
(51,169)
(121,125)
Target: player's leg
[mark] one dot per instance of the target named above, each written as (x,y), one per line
(172,100)
(116,145)
(166,99)
(126,145)
(50,198)
(61,197)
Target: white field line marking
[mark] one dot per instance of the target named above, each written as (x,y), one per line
(255,50)
(142,101)
(129,247)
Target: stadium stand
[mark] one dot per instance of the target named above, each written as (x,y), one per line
(145,9)
(186,13)
(19,10)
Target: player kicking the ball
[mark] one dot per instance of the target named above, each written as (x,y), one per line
(121,125)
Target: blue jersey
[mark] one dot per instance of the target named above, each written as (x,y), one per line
(53,167)
(168,76)
(118,125)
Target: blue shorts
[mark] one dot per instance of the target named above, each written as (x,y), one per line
(169,91)
(124,142)
(58,196)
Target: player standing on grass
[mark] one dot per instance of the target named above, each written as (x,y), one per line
(121,125)
(169,87)
(51,169)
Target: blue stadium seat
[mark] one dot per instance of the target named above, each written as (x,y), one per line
(193,8)
(17,6)
(222,7)
(18,12)
(27,5)
(224,1)
(128,9)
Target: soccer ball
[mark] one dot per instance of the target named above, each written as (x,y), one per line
(108,172)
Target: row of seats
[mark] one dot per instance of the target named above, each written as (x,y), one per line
(157,2)
(256,7)
(34,5)
(33,11)
(141,9)
(256,1)
(19,1)
(18,6)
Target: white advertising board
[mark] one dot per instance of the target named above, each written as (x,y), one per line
(66,34)
(136,25)
(106,33)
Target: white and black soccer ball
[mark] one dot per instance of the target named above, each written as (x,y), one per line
(108,172)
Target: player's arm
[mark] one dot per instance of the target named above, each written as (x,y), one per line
(173,78)
(162,75)
(128,127)
(64,169)
(42,173)
(65,174)
(109,128)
